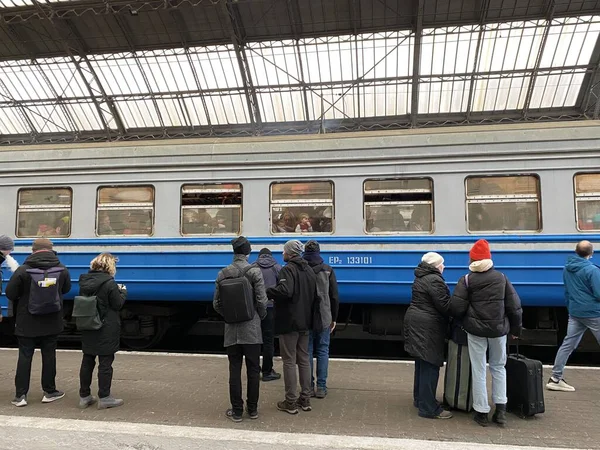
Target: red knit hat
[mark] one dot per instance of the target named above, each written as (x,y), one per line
(481,250)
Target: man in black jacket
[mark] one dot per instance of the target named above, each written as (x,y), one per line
(36,290)
(294,296)
(319,338)
(491,309)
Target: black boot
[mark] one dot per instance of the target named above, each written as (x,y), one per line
(481,419)
(499,416)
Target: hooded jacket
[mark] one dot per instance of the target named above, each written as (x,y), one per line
(295,296)
(582,287)
(18,291)
(426,320)
(270,271)
(111,299)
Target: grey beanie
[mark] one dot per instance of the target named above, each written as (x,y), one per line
(293,247)
(6,243)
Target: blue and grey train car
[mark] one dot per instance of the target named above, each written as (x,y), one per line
(375,201)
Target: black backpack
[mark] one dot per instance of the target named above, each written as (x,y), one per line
(44,296)
(237,297)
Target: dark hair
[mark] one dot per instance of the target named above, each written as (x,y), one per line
(584,249)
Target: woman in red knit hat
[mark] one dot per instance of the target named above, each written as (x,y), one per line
(490,309)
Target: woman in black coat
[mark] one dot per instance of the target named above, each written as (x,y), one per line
(425,326)
(104,343)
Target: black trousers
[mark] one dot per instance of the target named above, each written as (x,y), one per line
(105,374)
(425,386)
(47,345)
(268,347)
(236,353)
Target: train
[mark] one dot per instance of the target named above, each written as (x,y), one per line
(375,201)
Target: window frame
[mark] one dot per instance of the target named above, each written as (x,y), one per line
(583,197)
(124,206)
(182,208)
(505,198)
(49,208)
(294,203)
(399,202)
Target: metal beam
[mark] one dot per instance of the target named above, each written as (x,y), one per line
(21,110)
(414,108)
(237,32)
(483,12)
(589,94)
(294,12)
(538,60)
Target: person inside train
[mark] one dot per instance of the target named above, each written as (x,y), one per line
(479,219)
(279,225)
(36,290)
(304,225)
(425,327)
(490,309)
(582,295)
(290,222)
(420,219)
(104,342)
(242,339)
(104,225)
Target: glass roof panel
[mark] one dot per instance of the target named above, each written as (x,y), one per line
(227,109)
(138,113)
(556,89)
(446,95)
(448,50)
(500,93)
(570,41)
(378,100)
(49,119)
(11,121)
(168,71)
(85,116)
(195,109)
(284,105)
(217,67)
(119,73)
(273,63)
(11,3)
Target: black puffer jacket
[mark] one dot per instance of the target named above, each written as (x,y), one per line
(111,299)
(17,291)
(489,306)
(426,320)
(295,296)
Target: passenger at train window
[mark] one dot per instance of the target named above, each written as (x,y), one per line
(104,225)
(304,224)
(290,221)
(420,219)
(425,326)
(279,226)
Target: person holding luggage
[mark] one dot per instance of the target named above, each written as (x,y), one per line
(490,309)
(241,299)
(425,327)
(582,295)
(104,342)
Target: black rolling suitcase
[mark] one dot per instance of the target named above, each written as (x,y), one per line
(524,385)
(458,393)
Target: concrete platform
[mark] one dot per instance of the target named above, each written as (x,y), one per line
(178,402)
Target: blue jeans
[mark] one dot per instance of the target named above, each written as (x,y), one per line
(318,344)
(427,376)
(577,326)
(477,353)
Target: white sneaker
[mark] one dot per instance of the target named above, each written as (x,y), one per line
(20,401)
(560,385)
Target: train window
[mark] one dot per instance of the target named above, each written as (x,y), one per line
(44,212)
(587,201)
(211,209)
(125,211)
(302,207)
(503,203)
(398,205)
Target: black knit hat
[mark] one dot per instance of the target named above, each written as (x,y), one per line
(265,251)
(241,246)
(312,247)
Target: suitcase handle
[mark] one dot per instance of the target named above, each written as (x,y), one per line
(518,355)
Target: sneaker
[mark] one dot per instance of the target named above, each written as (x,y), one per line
(50,397)
(287,407)
(499,416)
(304,403)
(271,376)
(481,419)
(312,392)
(233,416)
(559,385)
(20,401)
(84,402)
(252,414)
(321,393)
(444,415)
(110,402)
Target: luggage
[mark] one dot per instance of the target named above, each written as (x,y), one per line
(44,297)
(458,392)
(86,312)
(524,385)
(237,297)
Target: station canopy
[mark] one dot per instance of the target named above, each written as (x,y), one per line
(97,70)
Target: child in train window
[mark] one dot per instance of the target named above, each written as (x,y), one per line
(104,226)
(304,224)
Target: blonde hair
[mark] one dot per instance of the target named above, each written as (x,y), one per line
(105,262)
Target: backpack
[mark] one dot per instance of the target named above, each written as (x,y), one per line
(237,297)
(44,297)
(86,312)
(322,316)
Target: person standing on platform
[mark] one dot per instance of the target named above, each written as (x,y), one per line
(36,290)
(490,309)
(242,338)
(582,295)
(318,341)
(294,295)
(270,271)
(6,247)
(102,343)
(425,329)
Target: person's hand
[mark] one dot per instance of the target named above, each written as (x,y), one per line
(332,327)
(514,337)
